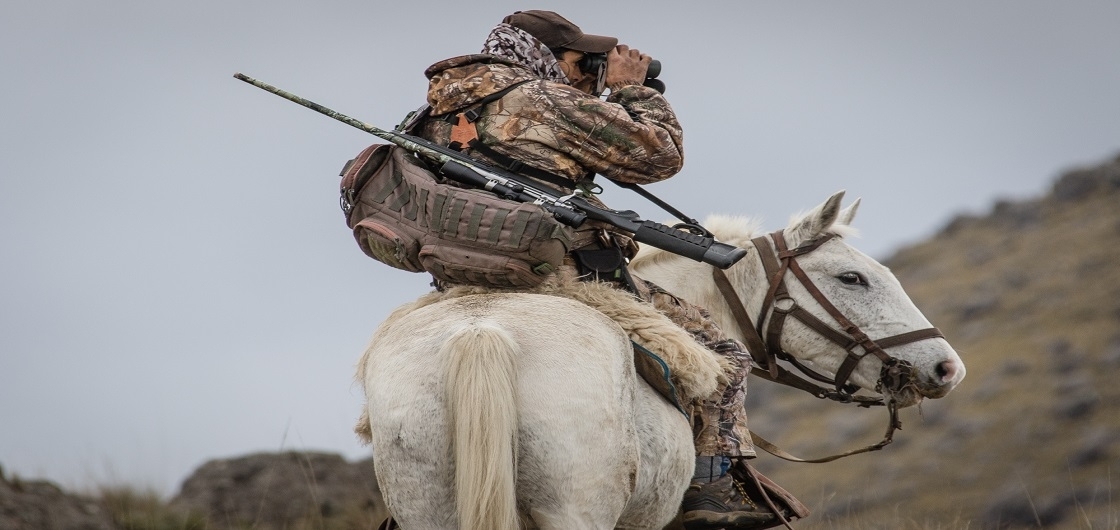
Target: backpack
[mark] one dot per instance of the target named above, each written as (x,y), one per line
(404,216)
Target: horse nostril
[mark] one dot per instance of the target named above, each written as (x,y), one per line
(947,370)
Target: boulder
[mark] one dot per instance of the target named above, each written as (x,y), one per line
(41,505)
(287,490)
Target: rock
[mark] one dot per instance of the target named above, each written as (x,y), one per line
(284,490)
(41,505)
(1076,185)
(1080,183)
(1017,215)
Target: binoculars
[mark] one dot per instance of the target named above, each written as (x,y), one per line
(596,63)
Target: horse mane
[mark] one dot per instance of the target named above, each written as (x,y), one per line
(731,229)
(734,230)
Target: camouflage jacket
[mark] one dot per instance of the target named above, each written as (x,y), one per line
(633,136)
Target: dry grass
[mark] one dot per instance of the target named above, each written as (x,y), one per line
(134,509)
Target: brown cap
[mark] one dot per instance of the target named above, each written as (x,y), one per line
(556,31)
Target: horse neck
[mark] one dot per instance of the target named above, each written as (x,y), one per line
(694,283)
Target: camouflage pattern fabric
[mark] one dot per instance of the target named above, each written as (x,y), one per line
(719,423)
(633,136)
(524,49)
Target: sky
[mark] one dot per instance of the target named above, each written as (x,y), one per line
(177,282)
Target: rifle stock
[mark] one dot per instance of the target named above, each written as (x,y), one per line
(572,211)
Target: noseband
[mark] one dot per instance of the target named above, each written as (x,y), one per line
(896,374)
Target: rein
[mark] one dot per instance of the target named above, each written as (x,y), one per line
(896,374)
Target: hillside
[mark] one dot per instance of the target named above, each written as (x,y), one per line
(1029,294)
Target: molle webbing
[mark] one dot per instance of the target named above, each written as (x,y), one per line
(458,213)
(403,216)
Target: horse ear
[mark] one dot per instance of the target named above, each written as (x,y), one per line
(849,213)
(815,222)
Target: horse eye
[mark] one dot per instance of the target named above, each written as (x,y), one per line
(852,278)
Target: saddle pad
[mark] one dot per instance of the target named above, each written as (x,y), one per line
(656,372)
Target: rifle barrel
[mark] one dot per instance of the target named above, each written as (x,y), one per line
(353,122)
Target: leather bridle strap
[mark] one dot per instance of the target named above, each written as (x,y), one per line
(893,425)
(908,337)
(768,368)
(754,342)
(896,373)
(775,272)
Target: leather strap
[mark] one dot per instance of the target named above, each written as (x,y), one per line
(755,345)
(893,425)
(910,336)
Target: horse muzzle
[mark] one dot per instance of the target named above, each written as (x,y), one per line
(908,385)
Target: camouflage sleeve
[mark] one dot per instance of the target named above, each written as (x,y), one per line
(634,136)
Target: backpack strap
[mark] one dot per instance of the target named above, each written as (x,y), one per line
(464,135)
(463,130)
(413,119)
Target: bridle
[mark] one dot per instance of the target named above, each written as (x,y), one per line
(896,374)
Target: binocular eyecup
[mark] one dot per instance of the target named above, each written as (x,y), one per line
(652,72)
(592,63)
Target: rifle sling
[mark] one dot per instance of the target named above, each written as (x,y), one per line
(516,166)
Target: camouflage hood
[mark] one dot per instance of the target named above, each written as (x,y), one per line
(460,82)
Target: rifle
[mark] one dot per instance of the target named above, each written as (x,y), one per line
(571,210)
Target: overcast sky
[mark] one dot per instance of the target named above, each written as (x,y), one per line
(177,283)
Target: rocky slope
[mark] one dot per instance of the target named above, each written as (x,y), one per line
(1029,294)
(39,505)
(267,491)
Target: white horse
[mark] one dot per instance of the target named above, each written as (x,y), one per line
(503,411)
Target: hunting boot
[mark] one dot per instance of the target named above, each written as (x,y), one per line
(743,499)
(723,503)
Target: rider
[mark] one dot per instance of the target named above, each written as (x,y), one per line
(535,89)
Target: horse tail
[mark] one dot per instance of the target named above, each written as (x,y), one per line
(482,411)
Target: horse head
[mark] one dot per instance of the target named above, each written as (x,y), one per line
(871,299)
(811,299)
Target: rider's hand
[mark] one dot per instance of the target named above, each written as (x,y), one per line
(626,66)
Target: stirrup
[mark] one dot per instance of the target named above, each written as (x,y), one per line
(759,486)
